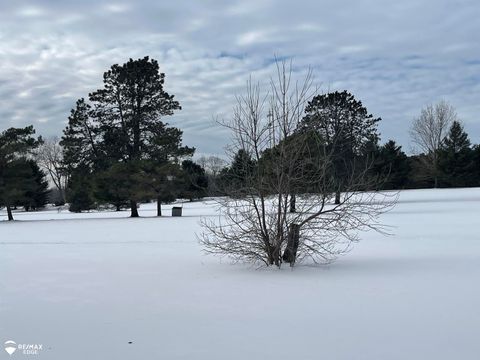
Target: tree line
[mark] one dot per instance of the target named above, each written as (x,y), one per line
(117,150)
(343,124)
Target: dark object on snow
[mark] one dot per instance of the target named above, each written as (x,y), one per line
(176,211)
(290,253)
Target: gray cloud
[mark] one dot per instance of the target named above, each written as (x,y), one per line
(394,56)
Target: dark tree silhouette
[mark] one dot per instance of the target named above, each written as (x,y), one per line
(36,189)
(455,158)
(391,164)
(346,128)
(15,174)
(122,123)
(195,181)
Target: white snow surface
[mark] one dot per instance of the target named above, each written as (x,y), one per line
(85,285)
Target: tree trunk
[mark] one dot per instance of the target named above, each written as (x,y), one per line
(290,253)
(63,194)
(9,213)
(269,254)
(270,259)
(337,197)
(293,200)
(159,206)
(118,207)
(133,208)
(276,256)
(435,170)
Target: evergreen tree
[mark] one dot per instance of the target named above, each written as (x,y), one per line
(420,176)
(15,174)
(163,181)
(455,158)
(195,181)
(113,186)
(475,174)
(456,140)
(391,163)
(161,176)
(346,128)
(80,140)
(36,194)
(17,181)
(80,190)
(122,123)
(242,168)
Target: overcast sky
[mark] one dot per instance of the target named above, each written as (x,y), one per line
(395,56)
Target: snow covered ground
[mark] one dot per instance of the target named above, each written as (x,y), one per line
(85,285)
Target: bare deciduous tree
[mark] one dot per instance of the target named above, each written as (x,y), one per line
(255,223)
(50,157)
(212,164)
(428,131)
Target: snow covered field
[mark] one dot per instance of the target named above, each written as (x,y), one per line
(85,285)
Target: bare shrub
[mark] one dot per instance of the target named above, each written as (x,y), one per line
(255,223)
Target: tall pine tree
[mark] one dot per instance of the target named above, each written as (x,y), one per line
(122,123)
